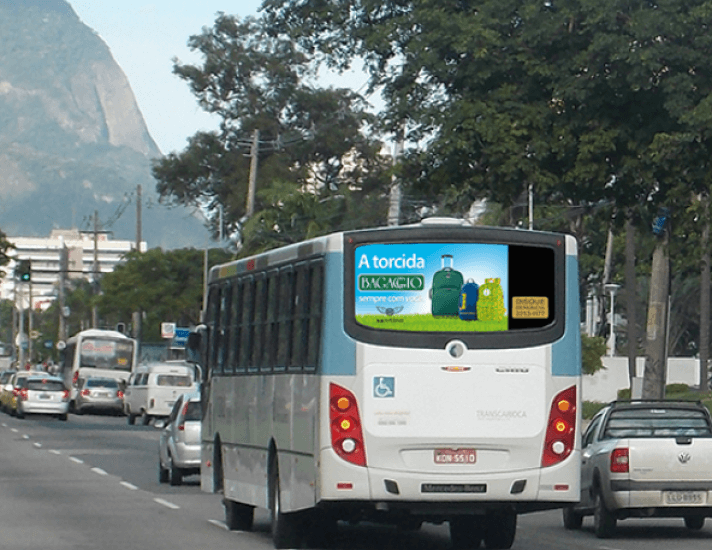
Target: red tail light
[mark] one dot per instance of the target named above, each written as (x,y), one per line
(561,428)
(15,392)
(65,395)
(346,433)
(23,393)
(85,392)
(119,394)
(619,461)
(75,378)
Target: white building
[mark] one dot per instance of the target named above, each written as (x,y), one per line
(45,253)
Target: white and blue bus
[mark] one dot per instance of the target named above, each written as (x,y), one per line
(99,353)
(421,373)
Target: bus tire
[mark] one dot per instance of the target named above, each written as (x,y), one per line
(285,527)
(501,527)
(466,532)
(131,418)
(238,516)
(63,417)
(573,520)
(145,419)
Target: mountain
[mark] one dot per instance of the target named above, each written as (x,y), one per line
(72,138)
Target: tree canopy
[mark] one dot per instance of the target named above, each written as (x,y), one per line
(315,162)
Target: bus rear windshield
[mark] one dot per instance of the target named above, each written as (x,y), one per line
(102,353)
(454,287)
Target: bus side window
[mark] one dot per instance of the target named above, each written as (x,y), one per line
(235,326)
(248,301)
(299,341)
(222,327)
(271,326)
(287,281)
(316,291)
(211,322)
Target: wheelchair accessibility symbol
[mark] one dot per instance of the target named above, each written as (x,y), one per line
(384,386)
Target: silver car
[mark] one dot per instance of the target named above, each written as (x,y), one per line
(179,443)
(42,394)
(99,394)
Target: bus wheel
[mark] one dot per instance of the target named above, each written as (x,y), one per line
(145,419)
(466,531)
(572,519)
(238,516)
(500,530)
(285,527)
(131,418)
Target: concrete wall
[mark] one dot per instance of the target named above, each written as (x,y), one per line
(604,385)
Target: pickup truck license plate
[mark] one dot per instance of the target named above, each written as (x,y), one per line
(455,456)
(682,498)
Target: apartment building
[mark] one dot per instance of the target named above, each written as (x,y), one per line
(85,253)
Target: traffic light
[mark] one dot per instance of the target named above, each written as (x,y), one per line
(24,271)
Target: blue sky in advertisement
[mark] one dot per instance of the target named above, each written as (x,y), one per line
(473,261)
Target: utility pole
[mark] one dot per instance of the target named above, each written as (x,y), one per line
(95,281)
(138,218)
(63,268)
(658,312)
(254,155)
(395,197)
(631,297)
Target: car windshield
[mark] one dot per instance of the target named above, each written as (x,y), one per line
(101,383)
(45,385)
(657,422)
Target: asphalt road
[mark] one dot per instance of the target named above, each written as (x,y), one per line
(92,483)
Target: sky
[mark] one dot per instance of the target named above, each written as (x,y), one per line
(144,36)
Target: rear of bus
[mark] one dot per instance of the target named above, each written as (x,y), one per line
(435,413)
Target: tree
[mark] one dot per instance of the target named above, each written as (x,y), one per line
(5,246)
(166,286)
(310,142)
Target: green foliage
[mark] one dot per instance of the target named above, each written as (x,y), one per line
(317,171)
(593,348)
(5,246)
(166,286)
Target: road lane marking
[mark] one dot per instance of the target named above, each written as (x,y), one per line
(38,445)
(166,503)
(77,460)
(55,452)
(25,436)
(129,485)
(14,430)
(99,471)
(219,523)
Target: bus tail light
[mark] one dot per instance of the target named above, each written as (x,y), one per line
(346,433)
(619,460)
(561,428)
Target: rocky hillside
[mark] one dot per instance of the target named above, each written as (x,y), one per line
(72,138)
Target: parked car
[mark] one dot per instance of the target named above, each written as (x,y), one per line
(645,459)
(153,389)
(42,394)
(179,443)
(99,394)
(5,388)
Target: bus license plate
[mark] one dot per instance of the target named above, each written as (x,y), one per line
(685,497)
(455,456)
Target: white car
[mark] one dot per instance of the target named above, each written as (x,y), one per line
(179,443)
(645,459)
(42,394)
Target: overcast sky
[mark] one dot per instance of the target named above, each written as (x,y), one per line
(144,36)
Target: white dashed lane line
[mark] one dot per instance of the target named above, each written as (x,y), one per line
(55,452)
(38,445)
(14,430)
(77,460)
(166,503)
(99,471)
(218,523)
(129,485)
(25,436)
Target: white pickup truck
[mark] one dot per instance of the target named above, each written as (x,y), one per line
(645,459)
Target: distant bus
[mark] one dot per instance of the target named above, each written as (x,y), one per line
(97,353)
(423,373)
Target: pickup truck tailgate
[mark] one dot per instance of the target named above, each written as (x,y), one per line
(670,459)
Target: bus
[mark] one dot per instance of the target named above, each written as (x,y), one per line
(97,353)
(420,373)
(6,356)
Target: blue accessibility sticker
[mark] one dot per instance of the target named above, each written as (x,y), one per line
(384,386)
